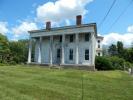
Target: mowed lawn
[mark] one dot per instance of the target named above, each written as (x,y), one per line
(37,83)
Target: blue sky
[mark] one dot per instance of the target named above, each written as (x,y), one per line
(18,16)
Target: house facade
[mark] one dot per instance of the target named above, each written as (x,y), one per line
(68,45)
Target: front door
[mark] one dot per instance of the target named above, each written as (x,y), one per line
(58,56)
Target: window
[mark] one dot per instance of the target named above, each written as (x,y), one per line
(98,46)
(58,53)
(60,38)
(98,41)
(71,54)
(98,54)
(87,54)
(71,38)
(87,37)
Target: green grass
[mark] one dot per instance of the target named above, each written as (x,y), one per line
(35,83)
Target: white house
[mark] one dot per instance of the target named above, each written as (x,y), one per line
(74,45)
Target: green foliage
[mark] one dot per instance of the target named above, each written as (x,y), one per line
(19,51)
(4,49)
(112,50)
(103,63)
(128,55)
(13,52)
(117,63)
(112,63)
(120,49)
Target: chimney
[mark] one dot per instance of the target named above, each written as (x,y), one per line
(78,20)
(48,25)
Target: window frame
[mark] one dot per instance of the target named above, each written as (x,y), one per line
(98,41)
(99,46)
(70,54)
(86,54)
(71,38)
(99,54)
(58,53)
(87,37)
(60,39)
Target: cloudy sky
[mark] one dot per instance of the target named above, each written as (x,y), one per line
(19,16)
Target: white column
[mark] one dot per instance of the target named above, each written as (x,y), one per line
(51,50)
(62,48)
(77,49)
(93,49)
(30,50)
(39,50)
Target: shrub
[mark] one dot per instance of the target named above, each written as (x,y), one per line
(117,63)
(127,65)
(103,63)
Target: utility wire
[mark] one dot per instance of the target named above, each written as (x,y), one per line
(124,10)
(107,13)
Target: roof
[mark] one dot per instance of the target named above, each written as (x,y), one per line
(100,37)
(66,27)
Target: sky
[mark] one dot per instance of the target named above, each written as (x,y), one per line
(19,16)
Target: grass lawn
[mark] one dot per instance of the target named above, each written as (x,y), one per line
(36,83)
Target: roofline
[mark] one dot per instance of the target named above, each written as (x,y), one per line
(101,37)
(66,27)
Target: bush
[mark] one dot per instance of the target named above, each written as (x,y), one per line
(103,63)
(117,63)
(127,65)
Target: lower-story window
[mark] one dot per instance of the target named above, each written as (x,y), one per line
(98,53)
(58,53)
(87,54)
(71,54)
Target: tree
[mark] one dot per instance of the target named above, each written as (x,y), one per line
(120,49)
(19,51)
(4,49)
(132,45)
(112,50)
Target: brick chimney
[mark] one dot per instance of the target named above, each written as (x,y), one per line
(78,20)
(48,25)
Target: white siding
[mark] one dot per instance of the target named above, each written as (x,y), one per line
(83,45)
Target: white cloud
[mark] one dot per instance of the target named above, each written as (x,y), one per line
(110,38)
(61,10)
(126,38)
(21,31)
(130,29)
(24,27)
(3,27)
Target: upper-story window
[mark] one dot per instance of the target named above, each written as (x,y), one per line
(60,38)
(98,41)
(87,36)
(71,38)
